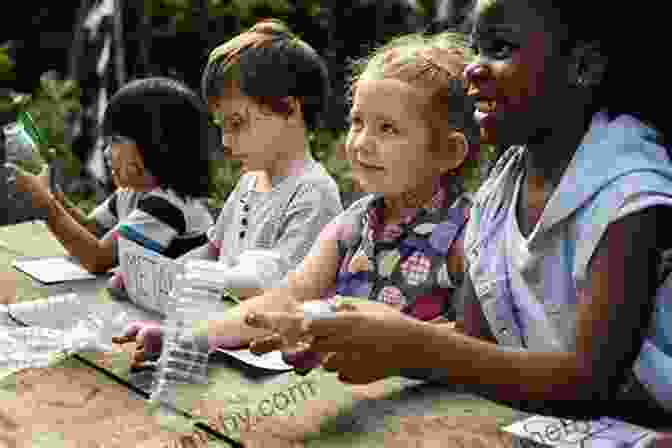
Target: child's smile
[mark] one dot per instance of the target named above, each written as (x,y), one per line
(518,73)
(388,143)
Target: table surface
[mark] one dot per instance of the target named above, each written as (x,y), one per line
(315,410)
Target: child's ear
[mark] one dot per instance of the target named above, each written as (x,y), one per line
(456,150)
(588,65)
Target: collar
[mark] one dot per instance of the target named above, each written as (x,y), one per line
(611,148)
(446,190)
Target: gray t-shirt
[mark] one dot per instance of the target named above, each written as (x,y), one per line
(276,229)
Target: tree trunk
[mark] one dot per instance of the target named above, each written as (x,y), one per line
(199,9)
(142,39)
(118,37)
(78,41)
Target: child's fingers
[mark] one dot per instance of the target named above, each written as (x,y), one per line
(266,344)
(132,330)
(302,360)
(332,362)
(274,321)
(122,339)
(150,338)
(139,355)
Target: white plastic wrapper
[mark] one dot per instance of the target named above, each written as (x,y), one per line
(59,326)
(25,347)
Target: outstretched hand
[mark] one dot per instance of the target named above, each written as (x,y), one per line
(362,342)
(147,335)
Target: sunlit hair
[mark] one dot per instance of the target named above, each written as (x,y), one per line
(434,64)
(269,63)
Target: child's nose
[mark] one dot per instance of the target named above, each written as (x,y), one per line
(363,143)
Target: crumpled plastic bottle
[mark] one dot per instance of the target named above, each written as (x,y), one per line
(184,355)
(23,140)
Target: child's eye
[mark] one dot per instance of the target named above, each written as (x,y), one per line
(388,128)
(495,48)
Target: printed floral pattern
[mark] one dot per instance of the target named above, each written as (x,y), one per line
(416,268)
(392,296)
(388,262)
(403,265)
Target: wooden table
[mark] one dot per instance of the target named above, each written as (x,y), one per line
(286,409)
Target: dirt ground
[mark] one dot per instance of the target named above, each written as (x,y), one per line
(71,407)
(411,431)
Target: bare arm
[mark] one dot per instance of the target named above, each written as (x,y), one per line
(611,324)
(312,278)
(85,221)
(94,255)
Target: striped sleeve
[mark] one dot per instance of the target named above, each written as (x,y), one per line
(154,223)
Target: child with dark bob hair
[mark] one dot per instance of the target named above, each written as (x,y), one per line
(156,131)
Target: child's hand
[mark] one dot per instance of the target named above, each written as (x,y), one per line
(362,341)
(360,367)
(147,335)
(36,185)
(303,360)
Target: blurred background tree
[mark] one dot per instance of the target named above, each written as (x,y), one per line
(91,47)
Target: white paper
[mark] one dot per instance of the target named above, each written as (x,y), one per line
(602,433)
(53,269)
(268,361)
(149,277)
